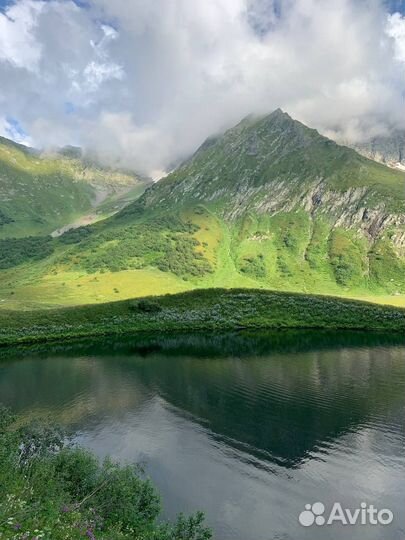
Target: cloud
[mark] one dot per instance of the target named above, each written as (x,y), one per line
(144,83)
(98,71)
(396,30)
(18,45)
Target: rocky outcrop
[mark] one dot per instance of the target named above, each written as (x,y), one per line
(276,164)
(388,149)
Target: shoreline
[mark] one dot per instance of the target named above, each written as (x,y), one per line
(198,311)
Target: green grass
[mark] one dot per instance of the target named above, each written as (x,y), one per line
(270,205)
(211,309)
(348,256)
(196,249)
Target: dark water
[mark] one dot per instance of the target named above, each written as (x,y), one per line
(248,428)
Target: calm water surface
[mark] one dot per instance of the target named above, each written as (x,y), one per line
(248,428)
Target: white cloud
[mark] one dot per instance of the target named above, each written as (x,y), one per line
(148,81)
(396,30)
(17,42)
(95,73)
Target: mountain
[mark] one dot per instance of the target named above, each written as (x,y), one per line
(270,203)
(274,164)
(69,151)
(40,194)
(387,149)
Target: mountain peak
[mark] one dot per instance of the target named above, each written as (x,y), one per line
(279,113)
(252,119)
(282,118)
(261,153)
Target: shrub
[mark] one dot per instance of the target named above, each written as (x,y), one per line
(60,491)
(146,306)
(165,242)
(254,266)
(15,251)
(74,236)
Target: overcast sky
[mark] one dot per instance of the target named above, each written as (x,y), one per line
(144,82)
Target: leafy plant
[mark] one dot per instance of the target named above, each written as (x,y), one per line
(51,489)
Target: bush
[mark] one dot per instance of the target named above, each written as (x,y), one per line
(15,251)
(50,489)
(165,242)
(254,266)
(74,236)
(146,306)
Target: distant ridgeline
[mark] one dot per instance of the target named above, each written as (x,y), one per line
(269,204)
(388,149)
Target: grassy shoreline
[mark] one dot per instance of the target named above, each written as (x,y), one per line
(51,488)
(212,309)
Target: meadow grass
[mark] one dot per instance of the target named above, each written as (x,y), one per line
(200,310)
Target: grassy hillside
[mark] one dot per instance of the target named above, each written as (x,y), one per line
(212,309)
(270,204)
(41,194)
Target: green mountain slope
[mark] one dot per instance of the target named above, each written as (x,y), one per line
(41,194)
(269,204)
(276,163)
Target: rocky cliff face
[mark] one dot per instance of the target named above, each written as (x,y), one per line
(389,149)
(276,164)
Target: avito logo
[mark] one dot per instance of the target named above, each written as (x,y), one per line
(365,515)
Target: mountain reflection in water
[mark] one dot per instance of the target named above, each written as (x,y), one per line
(248,427)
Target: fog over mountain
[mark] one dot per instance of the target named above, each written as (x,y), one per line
(144,83)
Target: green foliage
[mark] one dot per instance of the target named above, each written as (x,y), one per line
(181,258)
(347,258)
(50,489)
(316,253)
(120,494)
(289,240)
(283,267)
(165,242)
(344,269)
(15,251)
(208,309)
(254,266)
(132,211)
(145,305)
(386,266)
(74,236)
(4,218)
(187,527)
